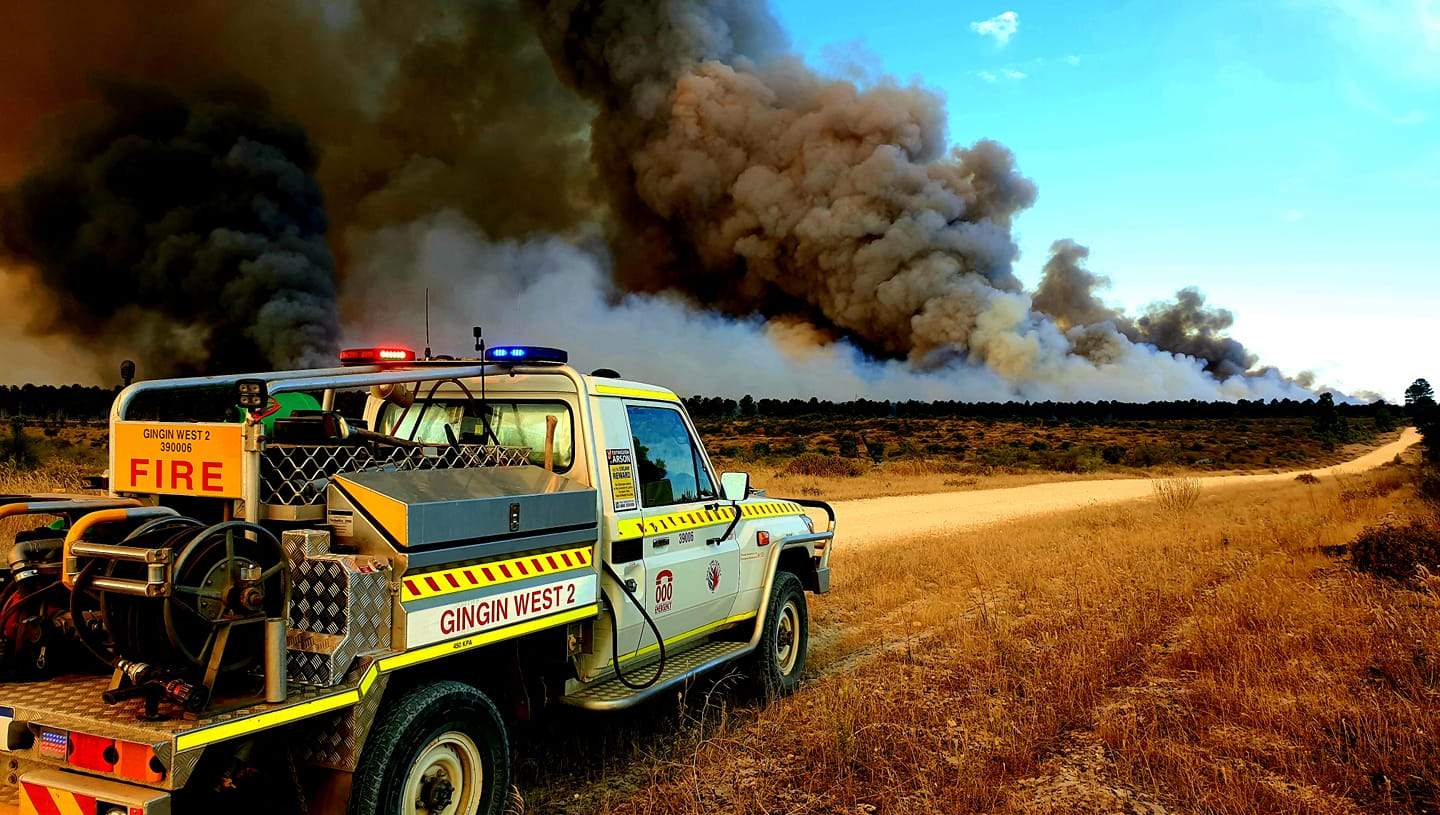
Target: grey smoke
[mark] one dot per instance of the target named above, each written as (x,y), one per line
(1068,293)
(559,292)
(744,181)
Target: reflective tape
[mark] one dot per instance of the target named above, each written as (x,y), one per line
(481,575)
(695,518)
(36,799)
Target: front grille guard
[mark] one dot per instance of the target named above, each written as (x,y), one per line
(296,475)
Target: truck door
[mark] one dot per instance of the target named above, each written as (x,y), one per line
(693,576)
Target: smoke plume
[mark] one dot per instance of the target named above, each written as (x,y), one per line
(1067,293)
(192,229)
(745,181)
(411,108)
(569,171)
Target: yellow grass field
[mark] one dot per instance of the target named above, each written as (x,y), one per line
(1157,656)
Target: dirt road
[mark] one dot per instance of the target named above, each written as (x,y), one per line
(875,520)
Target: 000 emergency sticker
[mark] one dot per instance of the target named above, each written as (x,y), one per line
(622,479)
(452,620)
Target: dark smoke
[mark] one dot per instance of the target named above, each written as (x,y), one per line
(729,178)
(1067,293)
(190,229)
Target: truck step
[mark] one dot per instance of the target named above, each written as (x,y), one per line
(612,695)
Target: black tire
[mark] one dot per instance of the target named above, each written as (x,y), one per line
(413,722)
(776,665)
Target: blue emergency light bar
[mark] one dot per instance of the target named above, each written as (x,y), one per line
(525,353)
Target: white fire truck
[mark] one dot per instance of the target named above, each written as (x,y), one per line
(296,609)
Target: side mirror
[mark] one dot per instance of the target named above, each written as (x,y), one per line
(734,486)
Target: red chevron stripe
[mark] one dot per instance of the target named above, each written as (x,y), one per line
(450,578)
(489,575)
(469,575)
(553,564)
(411,587)
(430,581)
(39,798)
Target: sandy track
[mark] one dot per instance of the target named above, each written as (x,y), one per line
(874,520)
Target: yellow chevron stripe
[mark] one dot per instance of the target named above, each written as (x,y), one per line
(695,518)
(66,802)
(480,575)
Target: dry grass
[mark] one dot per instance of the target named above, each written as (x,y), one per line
(1219,658)
(1177,494)
(58,476)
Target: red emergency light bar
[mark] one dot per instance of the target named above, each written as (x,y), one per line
(376,356)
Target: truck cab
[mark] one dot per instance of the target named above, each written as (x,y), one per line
(483,538)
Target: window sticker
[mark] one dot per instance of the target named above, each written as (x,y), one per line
(622,479)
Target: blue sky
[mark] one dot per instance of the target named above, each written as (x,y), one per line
(1283,156)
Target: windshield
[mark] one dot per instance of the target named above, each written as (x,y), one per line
(515,424)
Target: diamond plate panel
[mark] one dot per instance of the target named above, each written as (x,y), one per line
(340,608)
(335,740)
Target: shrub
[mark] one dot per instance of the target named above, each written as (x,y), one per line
(1073,460)
(1429,486)
(1307,478)
(1113,454)
(1147,455)
(849,446)
(760,449)
(1395,551)
(1178,494)
(814,464)
(18,449)
(876,449)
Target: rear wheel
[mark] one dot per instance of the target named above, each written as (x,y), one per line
(780,659)
(439,749)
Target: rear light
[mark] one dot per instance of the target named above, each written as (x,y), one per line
(762,538)
(93,753)
(138,762)
(376,356)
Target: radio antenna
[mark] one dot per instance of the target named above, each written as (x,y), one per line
(427,322)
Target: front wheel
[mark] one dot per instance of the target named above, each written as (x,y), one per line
(780,658)
(439,749)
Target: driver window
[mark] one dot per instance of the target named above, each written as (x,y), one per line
(667,459)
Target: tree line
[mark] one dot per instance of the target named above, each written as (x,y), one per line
(89,403)
(1321,408)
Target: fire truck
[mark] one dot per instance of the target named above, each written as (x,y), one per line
(275,604)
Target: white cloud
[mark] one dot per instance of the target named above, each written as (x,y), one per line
(1401,34)
(1293,215)
(1004,73)
(1071,60)
(1000,28)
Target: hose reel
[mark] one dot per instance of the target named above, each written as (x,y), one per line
(218,613)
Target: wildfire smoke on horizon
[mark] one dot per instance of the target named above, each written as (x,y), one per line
(814,222)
